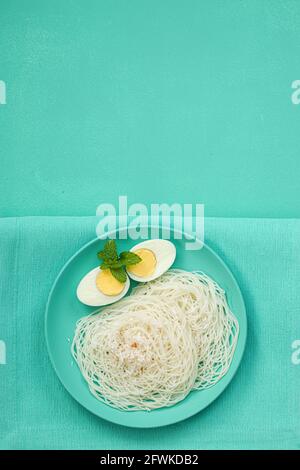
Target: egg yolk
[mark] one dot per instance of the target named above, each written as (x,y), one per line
(146,267)
(108,284)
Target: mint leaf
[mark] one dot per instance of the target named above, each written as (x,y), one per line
(119,274)
(101,254)
(128,258)
(117,264)
(104,266)
(110,250)
(109,253)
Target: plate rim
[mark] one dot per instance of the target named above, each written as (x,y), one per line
(170,421)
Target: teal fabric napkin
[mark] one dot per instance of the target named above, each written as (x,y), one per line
(261,407)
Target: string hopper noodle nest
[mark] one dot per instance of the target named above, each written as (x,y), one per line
(150,349)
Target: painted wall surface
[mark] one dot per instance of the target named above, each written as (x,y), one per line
(188,101)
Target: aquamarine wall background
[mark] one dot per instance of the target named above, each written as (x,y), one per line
(173,101)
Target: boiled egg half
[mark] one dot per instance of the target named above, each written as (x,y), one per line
(99,287)
(157,256)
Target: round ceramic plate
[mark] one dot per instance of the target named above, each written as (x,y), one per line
(63,310)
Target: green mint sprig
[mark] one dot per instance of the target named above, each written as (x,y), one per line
(117,263)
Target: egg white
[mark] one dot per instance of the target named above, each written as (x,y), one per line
(89,294)
(165,254)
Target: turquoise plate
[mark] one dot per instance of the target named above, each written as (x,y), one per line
(63,310)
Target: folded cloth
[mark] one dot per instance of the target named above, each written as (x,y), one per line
(261,407)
